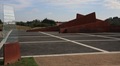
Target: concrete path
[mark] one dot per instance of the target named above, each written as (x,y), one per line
(80,60)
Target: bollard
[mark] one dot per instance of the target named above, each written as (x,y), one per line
(11,53)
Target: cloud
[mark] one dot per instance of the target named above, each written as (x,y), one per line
(49,13)
(22,4)
(4,0)
(33,11)
(112,4)
(18,4)
(67,2)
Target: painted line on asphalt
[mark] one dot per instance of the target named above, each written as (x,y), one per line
(70,54)
(58,55)
(61,41)
(5,39)
(100,36)
(105,33)
(73,36)
(41,41)
(1,57)
(32,36)
(97,40)
(111,35)
(76,42)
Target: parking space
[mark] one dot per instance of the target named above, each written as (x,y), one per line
(116,36)
(85,38)
(24,39)
(24,33)
(105,45)
(53,48)
(46,45)
(106,41)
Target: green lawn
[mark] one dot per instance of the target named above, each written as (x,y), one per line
(23,62)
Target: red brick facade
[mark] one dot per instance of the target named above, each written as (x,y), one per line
(79,16)
(87,23)
(81,20)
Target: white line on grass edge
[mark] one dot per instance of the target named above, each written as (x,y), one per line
(76,42)
(5,39)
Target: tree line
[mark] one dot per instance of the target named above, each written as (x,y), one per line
(37,23)
(115,21)
(48,22)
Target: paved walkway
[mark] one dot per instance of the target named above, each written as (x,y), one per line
(80,60)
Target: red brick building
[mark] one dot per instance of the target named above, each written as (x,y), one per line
(84,23)
(59,23)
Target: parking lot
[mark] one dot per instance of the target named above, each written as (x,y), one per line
(51,43)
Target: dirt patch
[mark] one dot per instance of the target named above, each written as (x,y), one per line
(80,60)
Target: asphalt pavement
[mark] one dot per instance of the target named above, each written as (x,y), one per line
(50,43)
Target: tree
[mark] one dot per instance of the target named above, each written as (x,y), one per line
(49,22)
(20,23)
(1,21)
(37,23)
(113,21)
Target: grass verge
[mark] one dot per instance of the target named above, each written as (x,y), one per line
(23,62)
(23,28)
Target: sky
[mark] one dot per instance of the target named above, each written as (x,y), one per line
(62,10)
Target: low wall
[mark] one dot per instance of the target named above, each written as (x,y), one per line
(90,27)
(55,28)
(114,28)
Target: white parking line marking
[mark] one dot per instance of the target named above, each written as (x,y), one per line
(75,42)
(62,41)
(41,41)
(1,57)
(58,55)
(32,36)
(71,54)
(97,40)
(106,33)
(100,36)
(111,35)
(5,39)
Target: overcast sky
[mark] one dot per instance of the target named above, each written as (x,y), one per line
(62,10)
